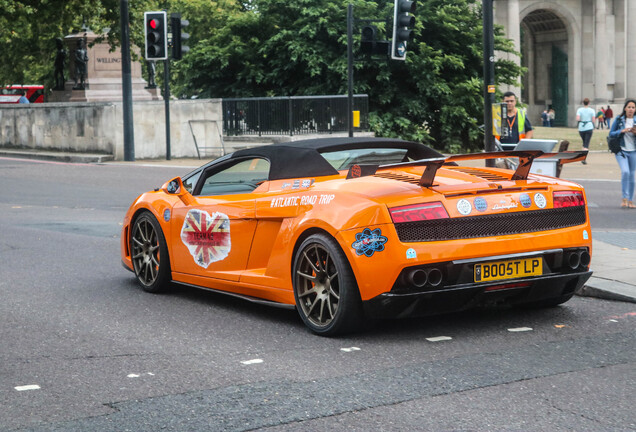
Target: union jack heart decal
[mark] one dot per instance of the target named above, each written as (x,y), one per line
(207,237)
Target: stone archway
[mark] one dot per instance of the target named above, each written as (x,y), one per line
(545,44)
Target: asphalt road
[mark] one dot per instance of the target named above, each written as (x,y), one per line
(98,353)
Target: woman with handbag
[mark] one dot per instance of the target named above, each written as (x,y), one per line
(624,129)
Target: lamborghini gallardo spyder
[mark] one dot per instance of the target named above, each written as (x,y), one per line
(342,229)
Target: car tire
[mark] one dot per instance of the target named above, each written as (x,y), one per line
(325,288)
(149,254)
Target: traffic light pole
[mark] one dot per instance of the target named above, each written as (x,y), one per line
(350,68)
(129,135)
(166,99)
(489,77)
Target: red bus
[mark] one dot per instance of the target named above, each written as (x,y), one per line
(11,93)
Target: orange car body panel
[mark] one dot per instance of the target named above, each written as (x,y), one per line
(267,225)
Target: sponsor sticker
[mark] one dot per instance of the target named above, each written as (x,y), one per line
(296,200)
(206,236)
(369,242)
(525,200)
(356,171)
(480,204)
(410,253)
(586,236)
(464,207)
(296,184)
(166,215)
(539,200)
(307,182)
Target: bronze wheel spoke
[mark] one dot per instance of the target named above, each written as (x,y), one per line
(309,261)
(310,278)
(308,292)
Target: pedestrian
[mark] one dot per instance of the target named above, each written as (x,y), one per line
(23,99)
(600,118)
(585,117)
(545,118)
(552,115)
(519,126)
(608,116)
(625,128)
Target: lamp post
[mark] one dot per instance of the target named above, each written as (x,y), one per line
(489,77)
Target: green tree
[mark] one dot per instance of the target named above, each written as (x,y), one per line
(28,30)
(278,48)
(436,95)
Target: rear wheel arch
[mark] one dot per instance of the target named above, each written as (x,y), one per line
(301,238)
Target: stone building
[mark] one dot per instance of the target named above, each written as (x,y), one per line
(573,49)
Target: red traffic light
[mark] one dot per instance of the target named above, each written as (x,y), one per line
(153,24)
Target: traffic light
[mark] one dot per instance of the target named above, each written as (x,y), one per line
(403,23)
(156,31)
(178,36)
(368,41)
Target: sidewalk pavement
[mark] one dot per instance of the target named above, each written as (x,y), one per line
(613,254)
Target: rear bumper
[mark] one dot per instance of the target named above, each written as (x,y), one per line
(466,296)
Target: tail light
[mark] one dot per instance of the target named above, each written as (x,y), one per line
(568,199)
(418,212)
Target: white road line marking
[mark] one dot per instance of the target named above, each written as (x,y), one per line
(439,338)
(350,349)
(520,329)
(253,361)
(133,376)
(28,387)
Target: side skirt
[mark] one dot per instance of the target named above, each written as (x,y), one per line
(241,296)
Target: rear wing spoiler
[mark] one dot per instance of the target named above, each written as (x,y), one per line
(526,157)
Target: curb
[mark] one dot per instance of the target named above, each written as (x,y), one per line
(608,289)
(58,156)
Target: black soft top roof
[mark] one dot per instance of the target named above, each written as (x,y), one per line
(303,158)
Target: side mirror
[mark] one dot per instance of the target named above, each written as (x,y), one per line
(174,186)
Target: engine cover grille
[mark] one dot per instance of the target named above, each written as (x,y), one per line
(490,225)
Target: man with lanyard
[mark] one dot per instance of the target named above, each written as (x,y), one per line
(518,124)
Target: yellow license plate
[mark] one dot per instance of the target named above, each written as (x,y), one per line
(510,269)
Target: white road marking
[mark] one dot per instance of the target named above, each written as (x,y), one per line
(137,375)
(350,349)
(520,329)
(28,387)
(253,361)
(439,338)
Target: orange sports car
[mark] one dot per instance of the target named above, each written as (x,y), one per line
(347,228)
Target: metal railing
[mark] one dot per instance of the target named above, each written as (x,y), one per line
(295,115)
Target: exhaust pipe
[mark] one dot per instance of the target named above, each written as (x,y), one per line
(417,277)
(585,258)
(435,277)
(573,260)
